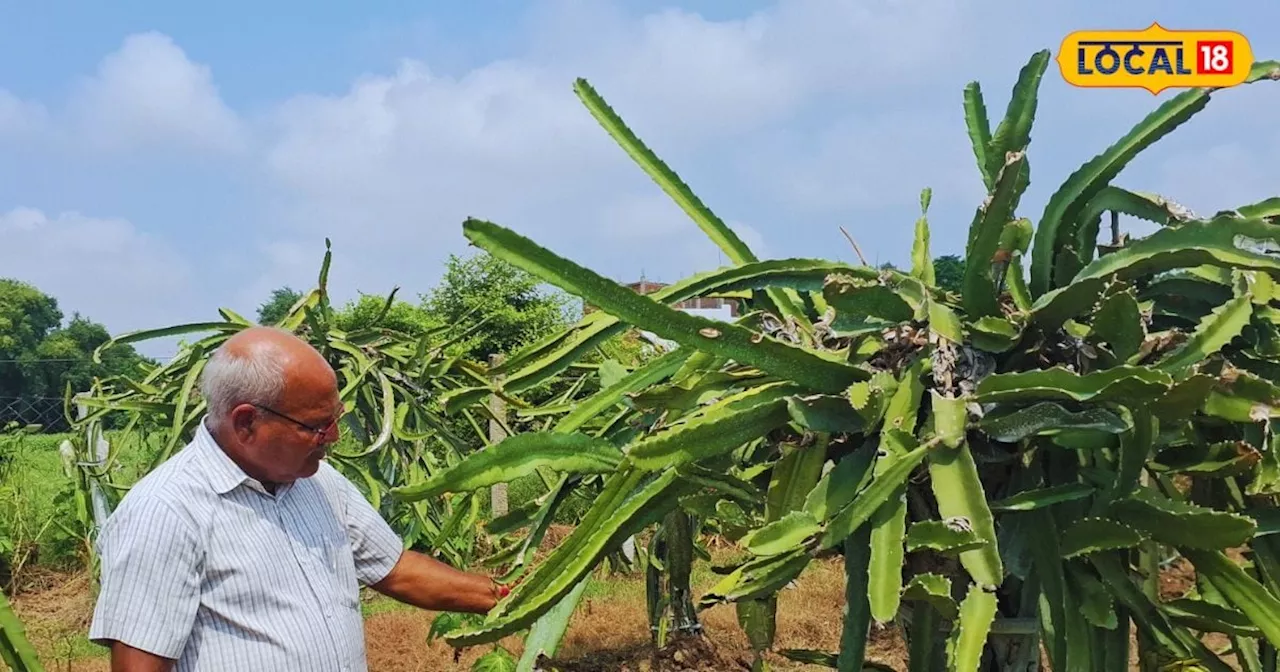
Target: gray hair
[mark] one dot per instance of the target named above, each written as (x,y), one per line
(228,380)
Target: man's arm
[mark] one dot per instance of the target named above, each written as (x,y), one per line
(125,658)
(150,584)
(425,582)
(382,563)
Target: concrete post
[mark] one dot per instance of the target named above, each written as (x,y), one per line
(498,492)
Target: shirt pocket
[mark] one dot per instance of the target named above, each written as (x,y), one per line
(340,569)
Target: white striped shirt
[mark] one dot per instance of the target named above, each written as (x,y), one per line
(200,563)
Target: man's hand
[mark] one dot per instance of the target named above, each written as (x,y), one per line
(427,583)
(125,658)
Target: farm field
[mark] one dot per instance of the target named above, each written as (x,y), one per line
(54,601)
(608,632)
(1058,452)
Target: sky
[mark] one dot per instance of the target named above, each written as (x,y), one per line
(159,161)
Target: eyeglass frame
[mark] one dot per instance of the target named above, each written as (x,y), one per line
(319,432)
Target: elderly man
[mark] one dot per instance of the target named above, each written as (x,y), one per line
(245,551)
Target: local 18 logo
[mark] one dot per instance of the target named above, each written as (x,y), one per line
(1155,59)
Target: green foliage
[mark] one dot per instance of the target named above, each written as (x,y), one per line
(992,452)
(949,270)
(40,356)
(22,520)
(26,316)
(512,304)
(390,382)
(19,541)
(724,237)
(74,343)
(275,308)
(492,306)
(627,348)
(518,456)
(496,660)
(370,312)
(16,651)
(991,455)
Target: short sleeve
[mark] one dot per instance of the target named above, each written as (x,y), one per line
(150,578)
(375,547)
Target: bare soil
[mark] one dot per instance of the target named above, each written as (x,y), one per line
(609,631)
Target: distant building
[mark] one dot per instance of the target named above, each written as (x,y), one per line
(714,308)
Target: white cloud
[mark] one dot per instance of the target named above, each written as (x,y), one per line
(391,135)
(868,161)
(1221,177)
(150,94)
(752,238)
(292,263)
(791,121)
(678,74)
(147,95)
(1223,157)
(675,72)
(650,220)
(643,219)
(107,269)
(20,117)
(390,168)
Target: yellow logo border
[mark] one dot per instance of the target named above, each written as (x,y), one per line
(1068,53)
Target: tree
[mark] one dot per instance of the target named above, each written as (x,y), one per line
(949,272)
(40,358)
(515,307)
(275,308)
(66,358)
(27,315)
(401,316)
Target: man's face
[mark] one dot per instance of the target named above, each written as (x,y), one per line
(296,439)
(288,440)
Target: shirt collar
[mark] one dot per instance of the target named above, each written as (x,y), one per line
(223,473)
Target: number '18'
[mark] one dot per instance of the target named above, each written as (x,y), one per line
(1215,57)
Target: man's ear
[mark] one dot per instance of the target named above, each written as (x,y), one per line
(243,421)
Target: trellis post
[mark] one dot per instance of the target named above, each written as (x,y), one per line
(498,407)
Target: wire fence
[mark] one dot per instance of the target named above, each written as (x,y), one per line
(47,412)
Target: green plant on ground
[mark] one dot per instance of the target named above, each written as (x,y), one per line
(16,651)
(999,467)
(16,544)
(22,525)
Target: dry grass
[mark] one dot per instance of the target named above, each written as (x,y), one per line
(396,641)
(609,631)
(610,623)
(56,612)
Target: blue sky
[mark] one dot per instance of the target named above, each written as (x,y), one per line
(161,159)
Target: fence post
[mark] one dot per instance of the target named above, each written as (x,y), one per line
(498,492)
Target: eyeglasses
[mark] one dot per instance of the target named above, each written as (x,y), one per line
(321,433)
